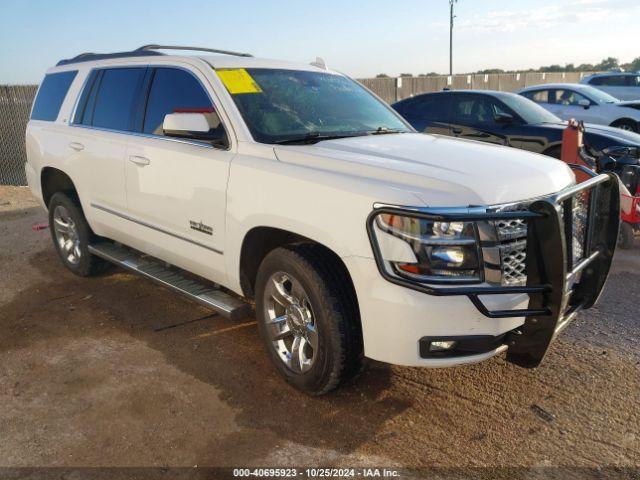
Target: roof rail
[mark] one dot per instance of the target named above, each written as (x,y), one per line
(90,56)
(144,51)
(152,47)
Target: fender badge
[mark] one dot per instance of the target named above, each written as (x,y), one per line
(201,227)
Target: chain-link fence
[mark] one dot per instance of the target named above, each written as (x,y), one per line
(15,105)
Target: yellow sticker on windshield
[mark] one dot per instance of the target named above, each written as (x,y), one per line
(238,80)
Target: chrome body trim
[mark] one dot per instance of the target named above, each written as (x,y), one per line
(154,227)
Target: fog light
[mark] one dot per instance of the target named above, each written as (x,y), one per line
(442,345)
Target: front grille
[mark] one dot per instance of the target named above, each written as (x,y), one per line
(512,245)
(511,237)
(513,228)
(513,257)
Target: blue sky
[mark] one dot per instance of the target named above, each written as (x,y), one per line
(361,38)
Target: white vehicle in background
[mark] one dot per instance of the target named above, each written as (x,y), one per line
(622,85)
(292,186)
(586,103)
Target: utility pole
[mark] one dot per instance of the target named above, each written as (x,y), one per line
(451,17)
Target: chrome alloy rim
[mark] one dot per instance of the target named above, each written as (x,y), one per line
(290,322)
(627,127)
(67,235)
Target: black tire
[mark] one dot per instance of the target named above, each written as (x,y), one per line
(629,125)
(87,263)
(335,311)
(625,240)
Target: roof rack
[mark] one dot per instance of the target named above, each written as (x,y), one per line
(144,51)
(152,47)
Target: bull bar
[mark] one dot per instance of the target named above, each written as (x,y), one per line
(558,288)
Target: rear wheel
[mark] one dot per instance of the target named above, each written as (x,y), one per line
(628,125)
(71,235)
(308,318)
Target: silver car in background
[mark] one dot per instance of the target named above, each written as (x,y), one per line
(622,85)
(586,103)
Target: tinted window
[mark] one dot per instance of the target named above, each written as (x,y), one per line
(610,81)
(175,91)
(87,99)
(477,109)
(51,95)
(428,107)
(116,95)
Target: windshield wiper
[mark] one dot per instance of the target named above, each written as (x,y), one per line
(385,131)
(313,137)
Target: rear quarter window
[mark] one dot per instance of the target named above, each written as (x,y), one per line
(51,94)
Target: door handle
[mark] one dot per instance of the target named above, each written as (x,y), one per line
(138,160)
(77,146)
(456,131)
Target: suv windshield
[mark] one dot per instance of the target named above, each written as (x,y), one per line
(528,110)
(290,106)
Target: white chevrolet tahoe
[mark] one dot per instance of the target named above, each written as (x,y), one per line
(236,180)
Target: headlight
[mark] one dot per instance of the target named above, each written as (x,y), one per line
(433,252)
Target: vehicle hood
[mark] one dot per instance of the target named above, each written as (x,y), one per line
(440,171)
(623,137)
(629,103)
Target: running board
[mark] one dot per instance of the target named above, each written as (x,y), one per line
(200,290)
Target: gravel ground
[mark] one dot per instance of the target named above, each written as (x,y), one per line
(95,372)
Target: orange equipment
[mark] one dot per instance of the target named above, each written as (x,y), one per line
(573,146)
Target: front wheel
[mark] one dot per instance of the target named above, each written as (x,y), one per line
(308,318)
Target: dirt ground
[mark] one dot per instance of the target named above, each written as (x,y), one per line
(95,372)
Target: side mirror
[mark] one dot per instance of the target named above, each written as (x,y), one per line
(197,126)
(504,119)
(584,103)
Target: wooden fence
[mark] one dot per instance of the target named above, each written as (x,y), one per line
(393,89)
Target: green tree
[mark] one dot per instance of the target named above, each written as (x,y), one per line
(610,63)
(633,66)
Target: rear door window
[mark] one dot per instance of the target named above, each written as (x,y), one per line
(115,98)
(429,107)
(176,91)
(51,94)
(538,96)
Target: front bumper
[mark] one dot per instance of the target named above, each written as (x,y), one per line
(557,287)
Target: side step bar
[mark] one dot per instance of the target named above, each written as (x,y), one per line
(200,290)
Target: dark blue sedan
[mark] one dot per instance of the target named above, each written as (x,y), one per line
(502,118)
